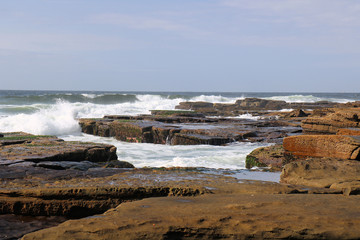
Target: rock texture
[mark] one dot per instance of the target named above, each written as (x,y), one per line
(227,214)
(349,131)
(331,123)
(323,173)
(336,146)
(20,147)
(180,130)
(248,105)
(272,156)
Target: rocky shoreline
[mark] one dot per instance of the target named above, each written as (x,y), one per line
(316,146)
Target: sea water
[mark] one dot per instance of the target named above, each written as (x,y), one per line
(57,113)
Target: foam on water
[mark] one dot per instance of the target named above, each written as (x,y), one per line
(215,99)
(53,120)
(56,113)
(231,156)
(307,98)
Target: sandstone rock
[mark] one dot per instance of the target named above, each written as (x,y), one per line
(321,172)
(336,146)
(33,148)
(348,188)
(118,164)
(15,226)
(188,130)
(62,165)
(194,105)
(348,131)
(225,211)
(297,113)
(256,103)
(272,156)
(220,216)
(330,124)
(176,113)
(248,105)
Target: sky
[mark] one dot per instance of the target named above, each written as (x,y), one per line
(180,45)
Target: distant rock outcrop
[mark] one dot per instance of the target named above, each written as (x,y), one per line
(331,123)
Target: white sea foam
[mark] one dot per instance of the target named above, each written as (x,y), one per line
(248,116)
(215,99)
(91,95)
(157,155)
(61,118)
(42,116)
(54,119)
(306,98)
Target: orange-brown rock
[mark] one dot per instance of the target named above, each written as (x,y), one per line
(223,215)
(349,131)
(331,123)
(323,173)
(336,146)
(216,206)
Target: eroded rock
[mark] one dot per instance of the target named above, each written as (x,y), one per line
(33,148)
(321,172)
(272,156)
(331,123)
(336,146)
(230,215)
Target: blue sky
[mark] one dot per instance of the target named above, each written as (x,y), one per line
(180,45)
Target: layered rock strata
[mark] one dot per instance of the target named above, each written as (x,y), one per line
(231,210)
(188,130)
(252,105)
(22,150)
(335,146)
(333,122)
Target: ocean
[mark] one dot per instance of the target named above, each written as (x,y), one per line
(56,113)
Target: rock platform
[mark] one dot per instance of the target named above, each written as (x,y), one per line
(186,130)
(214,207)
(68,183)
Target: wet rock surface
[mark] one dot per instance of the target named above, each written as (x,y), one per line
(248,105)
(189,130)
(23,147)
(15,226)
(272,156)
